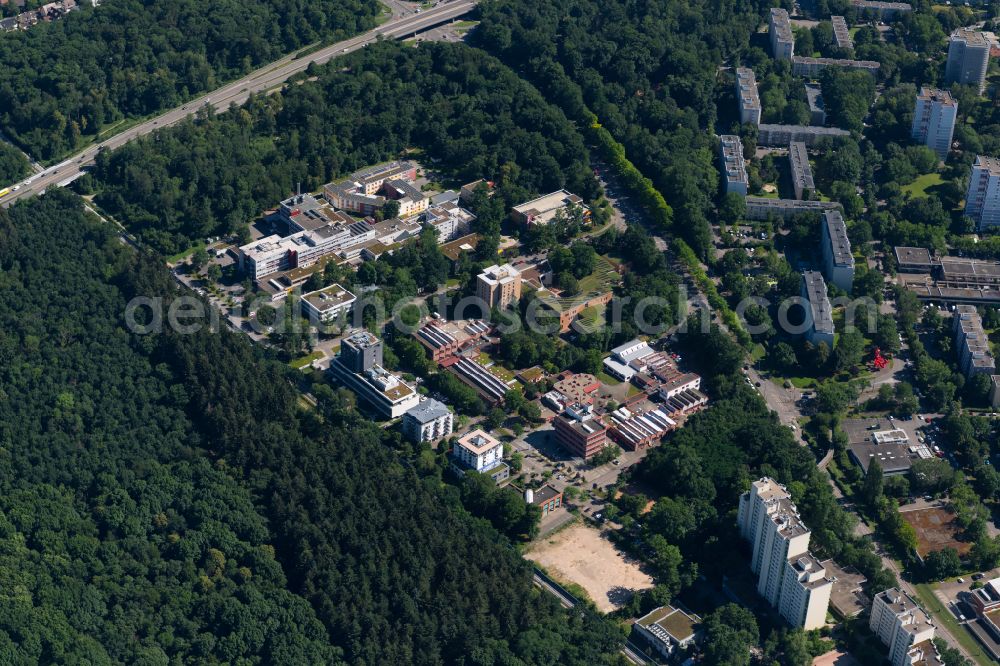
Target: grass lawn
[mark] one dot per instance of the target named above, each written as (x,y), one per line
(934,605)
(608,379)
(302,362)
(181,256)
(802,382)
(919,187)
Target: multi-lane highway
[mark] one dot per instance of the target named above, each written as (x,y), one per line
(266,78)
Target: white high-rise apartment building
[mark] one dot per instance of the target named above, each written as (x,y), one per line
(982,200)
(789,577)
(968,58)
(934,120)
(905,628)
(838,260)
(782,39)
(747,96)
(734,171)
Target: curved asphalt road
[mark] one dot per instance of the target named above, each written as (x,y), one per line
(266,78)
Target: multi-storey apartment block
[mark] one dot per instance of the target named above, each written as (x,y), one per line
(884,10)
(499,286)
(782,135)
(762,208)
(747,96)
(734,172)
(782,39)
(819,313)
(789,577)
(982,200)
(968,58)
(480,452)
(841,33)
(802,176)
(934,120)
(430,420)
(971,342)
(812,67)
(905,628)
(838,261)
(817,109)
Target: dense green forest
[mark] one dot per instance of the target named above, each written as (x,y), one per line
(647,70)
(472,116)
(13,164)
(66,81)
(165,500)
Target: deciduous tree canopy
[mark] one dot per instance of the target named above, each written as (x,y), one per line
(66,81)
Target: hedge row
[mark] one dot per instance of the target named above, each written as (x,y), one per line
(663,215)
(632,178)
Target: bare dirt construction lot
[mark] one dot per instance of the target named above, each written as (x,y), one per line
(936,530)
(581,555)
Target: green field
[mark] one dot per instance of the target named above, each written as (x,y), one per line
(302,362)
(608,379)
(919,187)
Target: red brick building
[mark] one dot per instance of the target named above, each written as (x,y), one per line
(580,432)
